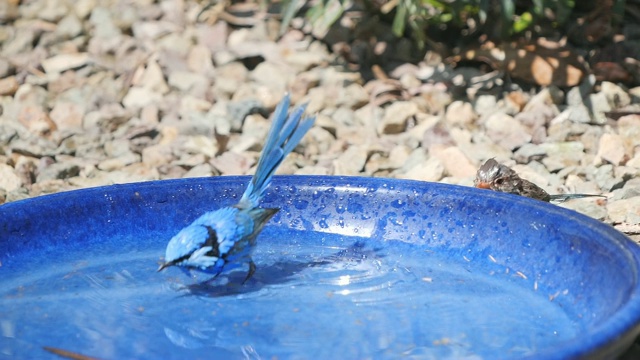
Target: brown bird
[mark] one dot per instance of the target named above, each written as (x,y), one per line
(498,177)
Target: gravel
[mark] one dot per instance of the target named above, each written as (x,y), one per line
(97,92)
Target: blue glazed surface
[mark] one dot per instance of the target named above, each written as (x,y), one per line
(62,251)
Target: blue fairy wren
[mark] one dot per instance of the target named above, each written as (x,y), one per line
(224,239)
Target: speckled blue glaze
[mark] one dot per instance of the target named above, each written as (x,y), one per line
(589,269)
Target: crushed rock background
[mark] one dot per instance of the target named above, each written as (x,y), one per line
(98,92)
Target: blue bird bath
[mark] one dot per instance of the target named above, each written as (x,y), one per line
(349,268)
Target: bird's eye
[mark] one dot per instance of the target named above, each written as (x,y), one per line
(499,181)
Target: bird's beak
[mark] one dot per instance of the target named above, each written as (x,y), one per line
(165,265)
(483,185)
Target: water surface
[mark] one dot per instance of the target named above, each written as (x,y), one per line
(313,296)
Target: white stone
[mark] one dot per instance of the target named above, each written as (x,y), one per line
(350,162)
(611,148)
(138,97)
(63,62)
(9,180)
(506,131)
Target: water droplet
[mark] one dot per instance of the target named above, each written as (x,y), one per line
(300,204)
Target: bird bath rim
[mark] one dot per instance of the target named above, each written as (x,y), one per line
(25,218)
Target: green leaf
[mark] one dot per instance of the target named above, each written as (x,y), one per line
(289,9)
(563,10)
(522,22)
(446,17)
(436,4)
(418,33)
(508,10)
(538,7)
(332,11)
(399,21)
(315,12)
(618,11)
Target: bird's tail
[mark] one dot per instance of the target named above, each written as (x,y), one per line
(284,135)
(559,198)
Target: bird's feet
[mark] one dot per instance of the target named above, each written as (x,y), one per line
(252,270)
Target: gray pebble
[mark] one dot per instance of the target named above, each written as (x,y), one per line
(396,117)
(146,91)
(239,110)
(61,170)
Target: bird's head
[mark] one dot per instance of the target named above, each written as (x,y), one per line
(193,246)
(494,176)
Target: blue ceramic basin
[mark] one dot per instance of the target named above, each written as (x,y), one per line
(349,268)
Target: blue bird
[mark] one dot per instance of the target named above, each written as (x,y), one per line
(224,239)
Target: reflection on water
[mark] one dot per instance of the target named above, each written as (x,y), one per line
(337,297)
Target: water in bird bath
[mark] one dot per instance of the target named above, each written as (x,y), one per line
(314,295)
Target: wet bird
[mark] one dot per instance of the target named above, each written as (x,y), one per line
(498,177)
(224,239)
